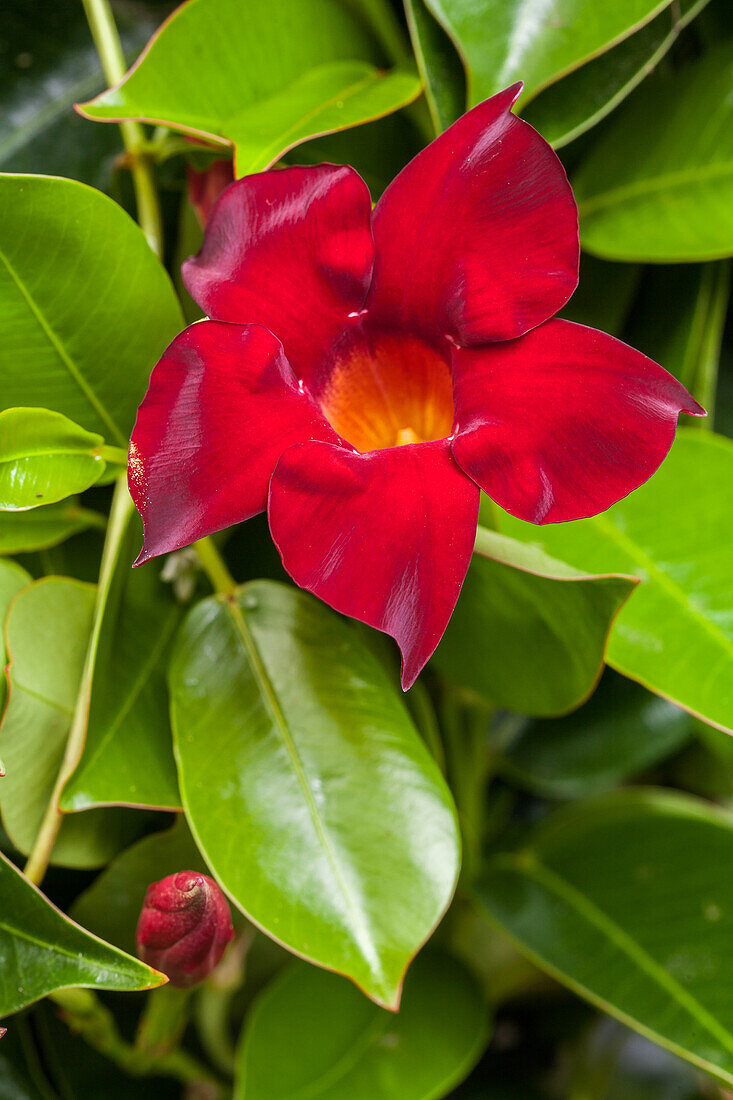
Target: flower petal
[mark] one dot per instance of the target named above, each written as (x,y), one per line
(385,537)
(477,237)
(563,422)
(222,405)
(291,250)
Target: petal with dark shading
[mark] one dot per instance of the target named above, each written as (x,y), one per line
(222,405)
(291,250)
(385,537)
(477,238)
(563,422)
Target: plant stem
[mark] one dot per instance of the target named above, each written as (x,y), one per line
(85,1014)
(119,517)
(214,566)
(114,455)
(107,40)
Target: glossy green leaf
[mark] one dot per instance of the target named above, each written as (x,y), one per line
(79,289)
(621,731)
(25,532)
(50,63)
(45,457)
(529,633)
(536,41)
(12,578)
(582,99)
(312,1034)
(110,907)
(42,950)
(128,752)
(46,634)
(658,185)
(313,67)
(306,785)
(623,900)
(675,635)
(440,66)
(679,320)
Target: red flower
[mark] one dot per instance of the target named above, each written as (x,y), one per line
(184,926)
(365,373)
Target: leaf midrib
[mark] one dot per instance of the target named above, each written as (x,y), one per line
(62,353)
(267,692)
(652,184)
(670,586)
(538,872)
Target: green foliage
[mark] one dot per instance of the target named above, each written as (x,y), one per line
(657,185)
(611,898)
(47,356)
(347,823)
(674,634)
(41,950)
(349,1047)
(535,42)
(529,633)
(330,769)
(293,86)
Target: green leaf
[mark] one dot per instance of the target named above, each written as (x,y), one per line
(658,185)
(41,950)
(676,635)
(46,634)
(623,900)
(537,41)
(312,1034)
(529,633)
(440,66)
(322,101)
(38,529)
(621,731)
(312,67)
(128,752)
(45,457)
(110,907)
(12,578)
(582,99)
(79,288)
(306,785)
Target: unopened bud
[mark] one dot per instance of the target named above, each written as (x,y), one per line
(205,187)
(184,926)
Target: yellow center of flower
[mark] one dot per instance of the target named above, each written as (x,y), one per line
(390,394)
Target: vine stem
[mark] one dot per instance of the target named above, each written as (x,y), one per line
(119,517)
(107,41)
(214,566)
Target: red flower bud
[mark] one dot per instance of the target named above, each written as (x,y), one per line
(184,926)
(205,187)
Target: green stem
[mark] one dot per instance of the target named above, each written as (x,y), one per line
(214,1002)
(107,40)
(163,1021)
(214,566)
(716,292)
(85,1014)
(114,455)
(119,517)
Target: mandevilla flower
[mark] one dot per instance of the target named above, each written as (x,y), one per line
(184,926)
(364,373)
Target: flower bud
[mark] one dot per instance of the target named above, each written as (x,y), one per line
(184,926)
(205,187)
